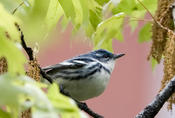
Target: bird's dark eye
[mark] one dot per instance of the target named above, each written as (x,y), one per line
(105,56)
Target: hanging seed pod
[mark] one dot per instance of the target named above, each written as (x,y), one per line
(3,65)
(169,61)
(163,15)
(164,42)
(33,71)
(26,114)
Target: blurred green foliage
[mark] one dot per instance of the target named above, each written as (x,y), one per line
(108,29)
(145,33)
(16,89)
(36,19)
(9,39)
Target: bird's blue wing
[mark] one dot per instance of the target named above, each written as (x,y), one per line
(73,69)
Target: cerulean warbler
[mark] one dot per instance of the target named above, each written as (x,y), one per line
(85,76)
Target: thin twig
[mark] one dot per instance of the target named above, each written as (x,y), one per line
(157,22)
(138,19)
(147,11)
(13,12)
(153,108)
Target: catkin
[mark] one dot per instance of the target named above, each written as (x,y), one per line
(26,114)
(33,71)
(163,15)
(3,65)
(164,43)
(169,61)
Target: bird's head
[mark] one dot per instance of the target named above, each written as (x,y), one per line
(105,57)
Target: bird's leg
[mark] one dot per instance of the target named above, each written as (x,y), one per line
(83,106)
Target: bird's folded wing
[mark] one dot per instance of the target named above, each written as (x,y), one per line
(72,69)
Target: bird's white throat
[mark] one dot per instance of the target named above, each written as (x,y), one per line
(109,65)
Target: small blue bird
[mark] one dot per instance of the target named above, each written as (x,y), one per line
(85,76)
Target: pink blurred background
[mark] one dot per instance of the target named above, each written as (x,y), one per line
(133,83)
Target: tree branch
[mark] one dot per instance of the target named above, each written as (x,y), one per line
(153,108)
(28,50)
(84,107)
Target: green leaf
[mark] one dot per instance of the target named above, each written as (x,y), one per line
(65,105)
(107,30)
(38,18)
(153,63)
(89,30)
(10,5)
(49,12)
(126,6)
(135,10)
(119,36)
(95,13)
(134,18)
(64,22)
(26,2)
(8,29)
(85,11)
(95,18)
(36,98)
(8,49)
(133,24)
(11,91)
(104,44)
(41,105)
(26,94)
(145,33)
(151,5)
(14,56)
(4,114)
(54,13)
(102,2)
(78,13)
(68,8)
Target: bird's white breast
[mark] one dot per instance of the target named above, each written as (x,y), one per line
(84,89)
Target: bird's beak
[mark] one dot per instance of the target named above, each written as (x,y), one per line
(116,56)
